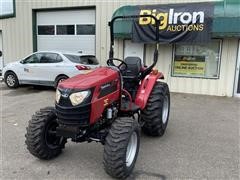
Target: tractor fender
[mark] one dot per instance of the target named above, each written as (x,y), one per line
(145,88)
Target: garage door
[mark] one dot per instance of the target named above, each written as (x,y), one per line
(1,53)
(68,30)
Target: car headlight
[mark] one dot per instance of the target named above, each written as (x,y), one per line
(58,95)
(78,98)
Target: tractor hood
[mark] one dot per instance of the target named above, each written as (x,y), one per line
(91,79)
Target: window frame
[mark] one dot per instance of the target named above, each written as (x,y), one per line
(58,55)
(35,54)
(10,15)
(90,56)
(85,25)
(66,55)
(74,29)
(54,31)
(48,53)
(199,77)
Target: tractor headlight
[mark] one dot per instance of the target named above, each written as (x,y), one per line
(78,98)
(58,95)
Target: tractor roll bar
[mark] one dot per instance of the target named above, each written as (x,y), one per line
(155,57)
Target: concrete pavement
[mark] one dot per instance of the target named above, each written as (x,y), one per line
(201,141)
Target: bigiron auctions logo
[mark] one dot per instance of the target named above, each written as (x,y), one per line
(178,23)
(174,21)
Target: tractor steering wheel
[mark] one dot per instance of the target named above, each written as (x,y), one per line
(122,66)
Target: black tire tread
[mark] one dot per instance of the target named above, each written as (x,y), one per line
(115,147)
(34,136)
(153,111)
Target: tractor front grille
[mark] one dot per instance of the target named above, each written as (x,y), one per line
(67,114)
(79,115)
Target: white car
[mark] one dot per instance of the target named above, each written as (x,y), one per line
(47,68)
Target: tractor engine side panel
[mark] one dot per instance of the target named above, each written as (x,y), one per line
(103,96)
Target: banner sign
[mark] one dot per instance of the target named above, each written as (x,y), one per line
(178,23)
(189,65)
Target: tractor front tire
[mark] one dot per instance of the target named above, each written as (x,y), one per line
(41,139)
(121,148)
(156,113)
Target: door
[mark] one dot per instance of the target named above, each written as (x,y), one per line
(28,69)
(133,49)
(237,77)
(66,30)
(1,52)
(50,66)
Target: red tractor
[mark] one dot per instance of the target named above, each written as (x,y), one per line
(108,105)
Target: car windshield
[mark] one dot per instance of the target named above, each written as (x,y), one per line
(86,59)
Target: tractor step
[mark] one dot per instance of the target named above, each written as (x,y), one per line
(127,105)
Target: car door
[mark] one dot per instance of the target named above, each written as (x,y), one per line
(50,66)
(28,69)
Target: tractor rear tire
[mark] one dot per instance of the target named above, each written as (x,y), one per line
(41,139)
(121,147)
(156,113)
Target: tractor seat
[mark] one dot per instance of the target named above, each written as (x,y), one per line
(134,67)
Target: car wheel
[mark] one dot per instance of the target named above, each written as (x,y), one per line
(60,79)
(11,80)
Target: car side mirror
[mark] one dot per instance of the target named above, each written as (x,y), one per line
(22,62)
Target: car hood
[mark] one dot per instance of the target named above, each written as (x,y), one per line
(11,64)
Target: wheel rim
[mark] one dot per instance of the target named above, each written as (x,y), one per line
(131,149)
(11,80)
(165,109)
(51,138)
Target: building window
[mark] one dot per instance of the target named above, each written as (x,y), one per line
(86,29)
(197,60)
(7,9)
(65,30)
(46,30)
